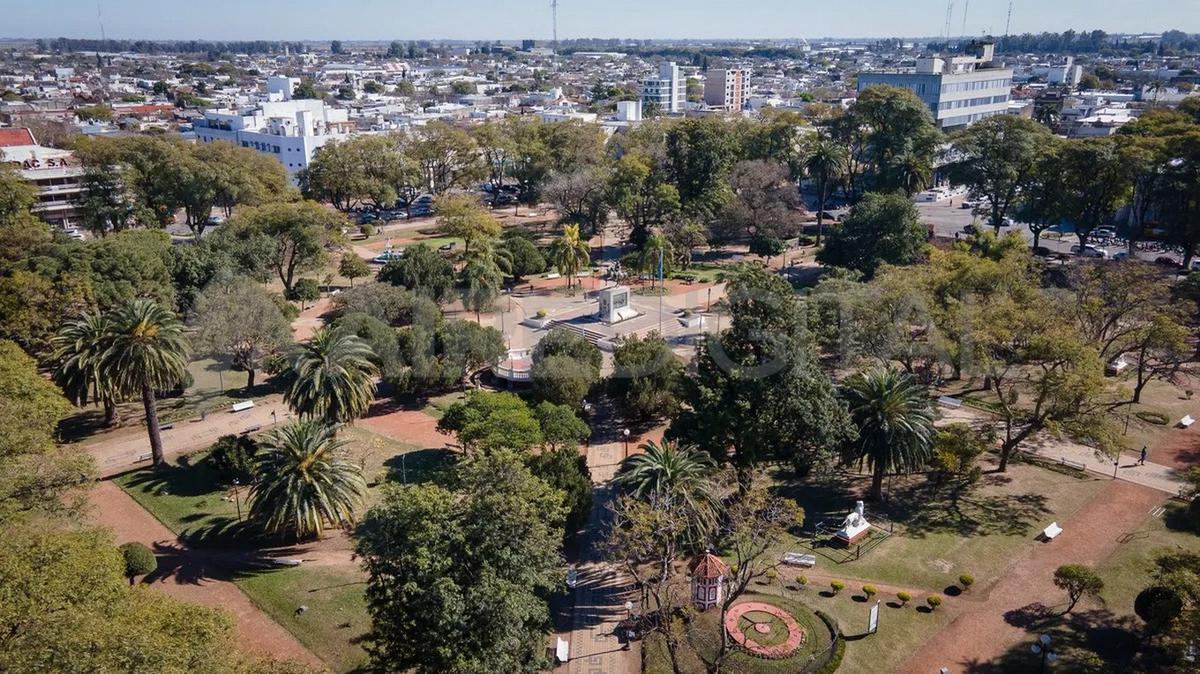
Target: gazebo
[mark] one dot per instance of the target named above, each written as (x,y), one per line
(708,581)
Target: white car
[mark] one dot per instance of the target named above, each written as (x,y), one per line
(1090,251)
(387,256)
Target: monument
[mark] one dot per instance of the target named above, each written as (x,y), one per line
(614,305)
(855,527)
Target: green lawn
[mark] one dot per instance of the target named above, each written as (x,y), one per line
(1130,568)
(938,534)
(336,614)
(437,405)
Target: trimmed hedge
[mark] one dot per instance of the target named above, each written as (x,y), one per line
(838,646)
(1152,417)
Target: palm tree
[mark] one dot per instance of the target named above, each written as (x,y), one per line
(304,481)
(144,352)
(894,420)
(657,247)
(570,253)
(669,471)
(826,164)
(79,354)
(483,274)
(333,377)
(911,172)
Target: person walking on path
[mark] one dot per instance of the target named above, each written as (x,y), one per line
(1142,459)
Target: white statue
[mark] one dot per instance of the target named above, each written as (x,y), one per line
(855,524)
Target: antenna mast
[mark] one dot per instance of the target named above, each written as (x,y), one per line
(966,7)
(949,18)
(100,18)
(1008,23)
(554,20)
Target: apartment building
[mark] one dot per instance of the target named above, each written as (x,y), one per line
(287,129)
(55,173)
(725,89)
(668,91)
(959,90)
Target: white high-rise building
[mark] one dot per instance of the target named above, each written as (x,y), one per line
(288,129)
(958,90)
(668,91)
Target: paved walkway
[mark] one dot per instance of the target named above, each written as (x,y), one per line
(129,448)
(1153,475)
(985,629)
(194,576)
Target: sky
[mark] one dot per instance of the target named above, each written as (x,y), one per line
(517,19)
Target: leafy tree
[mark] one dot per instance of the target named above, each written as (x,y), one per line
(580,197)
(563,380)
(882,228)
(304,480)
(139,560)
(566,470)
(482,277)
(145,352)
(526,258)
(957,447)
(765,202)
(699,153)
(1077,580)
(757,388)
(461,216)
(646,377)
(305,290)
(766,247)
(352,266)
(446,156)
(570,253)
(78,354)
(894,421)
(1098,181)
(685,237)
(362,169)
(898,138)
(422,270)
(66,606)
(1158,606)
(237,318)
(388,303)
(333,378)
(129,265)
(36,476)
(284,238)
(489,422)
(640,194)
(232,457)
(997,160)
(464,569)
(563,342)
(561,427)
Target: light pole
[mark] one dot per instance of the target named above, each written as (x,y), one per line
(625,434)
(1042,647)
(237,498)
(629,610)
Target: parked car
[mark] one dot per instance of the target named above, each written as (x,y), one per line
(387,256)
(970,229)
(1104,232)
(1168,261)
(1090,251)
(1121,256)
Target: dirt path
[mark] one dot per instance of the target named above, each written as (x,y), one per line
(982,633)
(411,426)
(189,575)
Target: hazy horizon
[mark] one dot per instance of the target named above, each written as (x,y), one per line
(470,20)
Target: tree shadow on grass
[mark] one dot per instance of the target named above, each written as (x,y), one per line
(197,478)
(965,512)
(1076,638)
(420,466)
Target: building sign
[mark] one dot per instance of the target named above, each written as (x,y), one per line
(34,164)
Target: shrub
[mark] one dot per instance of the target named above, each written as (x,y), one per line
(1151,417)
(366,229)
(870,590)
(802,580)
(232,458)
(904,598)
(837,586)
(934,601)
(772,576)
(541,313)
(966,580)
(139,560)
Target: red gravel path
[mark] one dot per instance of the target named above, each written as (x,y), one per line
(981,634)
(188,575)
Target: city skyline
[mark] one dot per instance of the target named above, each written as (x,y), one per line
(667,19)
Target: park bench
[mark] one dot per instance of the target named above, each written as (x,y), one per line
(1186,421)
(799,559)
(562,650)
(242,406)
(552,275)
(1077,465)
(947,401)
(1051,532)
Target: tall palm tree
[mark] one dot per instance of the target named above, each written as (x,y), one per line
(304,481)
(657,246)
(483,275)
(668,470)
(911,172)
(894,420)
(333,377)
(570,252)
(79,353)
(826,164)
(145,351)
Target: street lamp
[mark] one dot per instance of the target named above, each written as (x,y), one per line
(237,499)
(629,609)
(1042,647)
(625,433)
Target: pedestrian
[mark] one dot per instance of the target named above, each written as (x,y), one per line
(1142,460)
